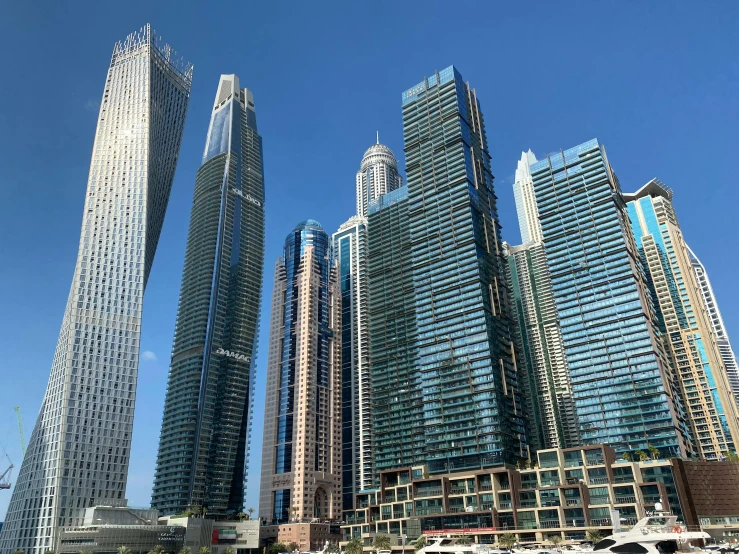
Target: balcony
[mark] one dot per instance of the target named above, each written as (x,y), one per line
(486,487)
(599,480)
(456,509)
(431,510)
(487,506)
(575,523)
(505,505)
(625,500)
(594,460)
(363,504)
(573,501)
(573,463)
(551,482)
(650,499)
(550,523)
(458,490)
(601,522)
(623,479)
(529,504)
(600,500)
(422,493)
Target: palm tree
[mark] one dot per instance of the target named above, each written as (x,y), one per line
(229,550)
(731,456)
(241,516)
(158,549)
(626,456)
(277,547)
(354,546)
(204,550)
(555,540)
(381,542)
(507,540)
(464,541)
(124,550)
(420,542)
(654,452)
(641,455)
(294,512)
(86,552)
(185,550)
(594,535)
(251,513)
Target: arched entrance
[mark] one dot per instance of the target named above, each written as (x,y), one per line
(320,504)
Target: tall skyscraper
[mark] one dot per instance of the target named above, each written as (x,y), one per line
(204,443)
(377,175)
(472,405)
(79,450)
(523,194)
(350,249)
(301,452)
(683,319)
(551,407)
(626,392)
(397,417)
(717,322)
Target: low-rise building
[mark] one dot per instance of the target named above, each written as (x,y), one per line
(563,493)
(308,536)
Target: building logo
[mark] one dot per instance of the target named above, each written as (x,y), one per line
(234,355)
(246,196)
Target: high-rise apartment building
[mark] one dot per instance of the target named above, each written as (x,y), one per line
(397,417)
(550,406)
(79,450)
(204,444)
(717,322)
(523,194)
(377,175)
(350,250)
(684,320)
(301,452)
(625,390)
(471,401)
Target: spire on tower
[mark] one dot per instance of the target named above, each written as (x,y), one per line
(378,137)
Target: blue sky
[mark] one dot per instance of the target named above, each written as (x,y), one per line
(656,82)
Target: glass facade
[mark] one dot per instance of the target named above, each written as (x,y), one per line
(683,320)
(471,401)
(398,428)
(301,449)
(79,450)
(625,391)
(204,443)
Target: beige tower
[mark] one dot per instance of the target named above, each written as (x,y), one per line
(301,452)
(677,296)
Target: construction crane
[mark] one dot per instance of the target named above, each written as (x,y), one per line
(20,429)
(5,475)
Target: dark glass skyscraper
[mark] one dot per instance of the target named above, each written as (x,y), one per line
(398,430)
(203,449)
(625,388)
(471,402)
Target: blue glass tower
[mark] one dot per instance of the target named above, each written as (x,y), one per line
(625,390)
(471,401)
(204,442)
(301,450)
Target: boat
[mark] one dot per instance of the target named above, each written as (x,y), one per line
(448,545)
(659,533)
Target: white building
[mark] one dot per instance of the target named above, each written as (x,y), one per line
(378,174)
(79,449)
(523,193)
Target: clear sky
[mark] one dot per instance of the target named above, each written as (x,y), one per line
(655,81)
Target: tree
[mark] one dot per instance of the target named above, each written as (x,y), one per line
(184,550)
(507,540)
(124,550)
(277,547)
(354,546)
(381,542)
(19,551)
(731,456)
(203,550)
(292,547)
(641,455)
(229,550)
(654,452)
(251,513)
(594,535)
(555,540)
(241,516)
(158,549)
(464,541)
(294,513)
(86,552)
(420,542)
(626,456)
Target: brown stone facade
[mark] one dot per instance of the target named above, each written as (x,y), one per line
(707,489)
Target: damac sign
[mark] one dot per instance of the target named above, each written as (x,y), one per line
(234,355)
(246,196)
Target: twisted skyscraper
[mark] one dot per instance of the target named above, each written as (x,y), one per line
(79,449)
(203,449)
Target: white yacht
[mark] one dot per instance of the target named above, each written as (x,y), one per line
(657,534)
(448,545)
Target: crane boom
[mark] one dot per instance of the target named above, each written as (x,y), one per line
(5,484)
(20,429)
